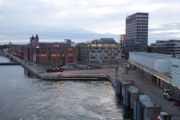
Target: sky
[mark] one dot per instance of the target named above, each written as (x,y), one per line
(84,20)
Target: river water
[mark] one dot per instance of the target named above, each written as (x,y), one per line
(24,97)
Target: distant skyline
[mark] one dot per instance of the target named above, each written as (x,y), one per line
(82,20)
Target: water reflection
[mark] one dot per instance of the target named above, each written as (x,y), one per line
(23,96)
(29,74)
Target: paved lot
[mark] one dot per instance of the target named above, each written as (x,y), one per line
(154,92)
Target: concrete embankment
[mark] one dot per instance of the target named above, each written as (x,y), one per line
(66,75)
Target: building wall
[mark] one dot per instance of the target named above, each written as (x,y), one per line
(175,71)
(166,47)
(98,52)
(55,55)
(159,64)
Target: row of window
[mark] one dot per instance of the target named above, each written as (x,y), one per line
(105,51)
(103,54)
(105,57)
(56,52)
(56,48)
(109,48)
(141,15)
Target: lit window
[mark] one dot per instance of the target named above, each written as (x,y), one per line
(70,54)
(106,45)
(70,48)
(55,45)
(93,44)
(99,44)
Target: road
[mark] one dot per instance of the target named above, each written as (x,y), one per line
(154,92)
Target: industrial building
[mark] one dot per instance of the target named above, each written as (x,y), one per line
(166,47)
(104,50)
(162,70)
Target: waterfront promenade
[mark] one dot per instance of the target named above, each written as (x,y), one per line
(94,74)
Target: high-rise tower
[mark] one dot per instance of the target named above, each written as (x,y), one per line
(136,33)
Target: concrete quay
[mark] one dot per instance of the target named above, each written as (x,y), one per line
(99,74)
(153,91)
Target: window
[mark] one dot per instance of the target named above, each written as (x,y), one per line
(53,55)
(70,48)
(49,50)
(92,57)
(55,45)
(99,44)
(59,48)
(70,51)
(113,45)
(70,57)
(43,55)
(102,48)
(43,48)
(96,48)
(106,45)
(43,51)
(70,54)
(93,44)
(70,61)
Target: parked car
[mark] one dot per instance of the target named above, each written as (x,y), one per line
(170,98)
(88,66)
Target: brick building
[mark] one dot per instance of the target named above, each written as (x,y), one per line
(49,53)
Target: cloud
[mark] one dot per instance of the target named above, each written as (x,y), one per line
(59,19)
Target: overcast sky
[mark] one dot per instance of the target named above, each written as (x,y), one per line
(84,20)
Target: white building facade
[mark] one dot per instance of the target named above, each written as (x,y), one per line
(161,69)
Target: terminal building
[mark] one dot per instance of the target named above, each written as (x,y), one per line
(162,70)
(104,50)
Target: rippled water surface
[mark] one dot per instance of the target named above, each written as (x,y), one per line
(25,98)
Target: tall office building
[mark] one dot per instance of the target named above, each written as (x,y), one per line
(136,33)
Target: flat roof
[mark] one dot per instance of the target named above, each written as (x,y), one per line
(148,103)
(123,81)
(133,89)
(152,55)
